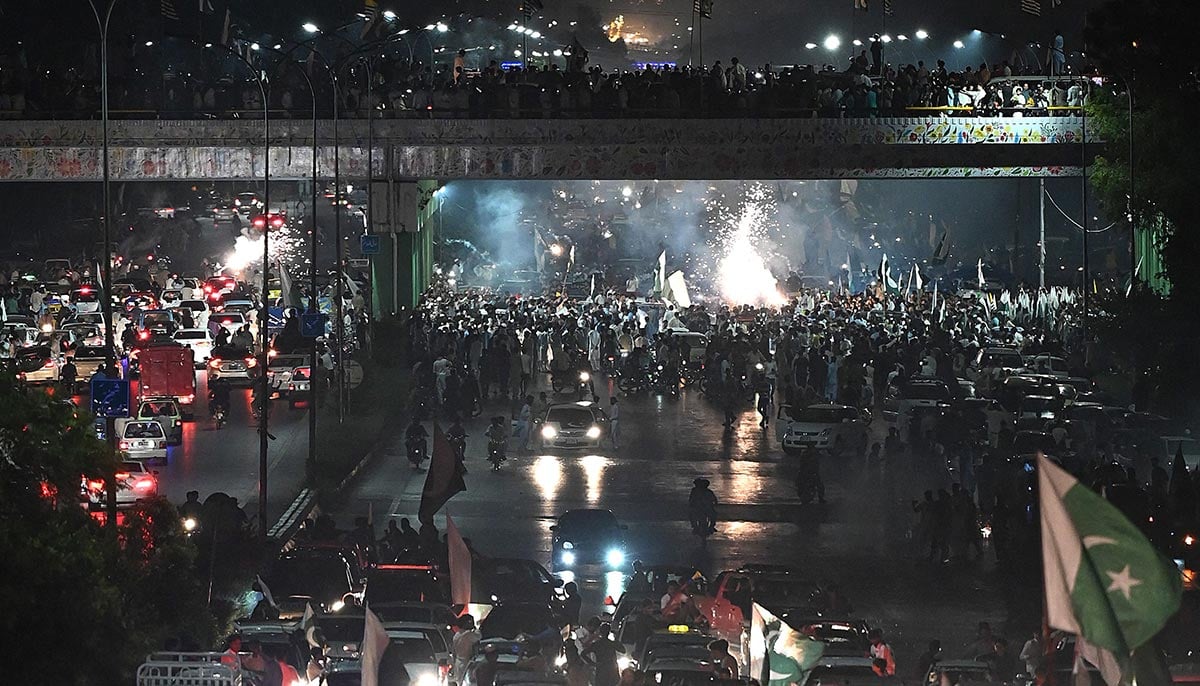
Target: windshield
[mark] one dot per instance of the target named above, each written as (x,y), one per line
(596,520)
(193,335)
(158,408)
(829,632)
(841,675)
(323,578)
(230,318)
(1001,358)
(570,416)
(783,592)
(88,296)
(819,415)
(342,629)
(391,587)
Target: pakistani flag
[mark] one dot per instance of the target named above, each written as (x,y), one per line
(1104,581)
(779,655)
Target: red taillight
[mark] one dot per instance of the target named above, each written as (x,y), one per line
(123,445)
(144,484)
(291,387)
(207,288)
(95,485)
(121,476)
(49,364)
(143,335)
(214,363)
(250,361)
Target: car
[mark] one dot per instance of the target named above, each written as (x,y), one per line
(87,359)
(135,483)
(425,659)
(82,333)
(167,413)
(999,361)
(510,579)
(299,386)
(437,614)
(215,286)
(140,300)
(156,323)
(841,636)
(230,321)
(326,577)
(142,440)
(921,392)
(1186,445)
(247,203)
(85,300)
(836,428)
(510,620)
(285,637)
(673,641)
(587,537)
(228,364)
(394,584)
(280,370)
(225,213)
(508,655)
(963,673)
(170,298)
(573,425)
(199,340)
(343,634)
(842,671)
(36,364)
(686,672)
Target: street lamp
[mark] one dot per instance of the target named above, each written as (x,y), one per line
(922,34)
(958,45)
(389,15)
(832,43)
(810,46)
(310,27)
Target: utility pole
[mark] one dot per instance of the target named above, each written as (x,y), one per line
(1042,233)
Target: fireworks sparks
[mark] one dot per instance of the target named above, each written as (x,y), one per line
(287,246)
(742,272)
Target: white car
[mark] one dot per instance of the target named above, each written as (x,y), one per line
(230,321)
(836,428)
(424,652)
(143,440)
(134,483)
(199,340)
(1048,365)
(573,425)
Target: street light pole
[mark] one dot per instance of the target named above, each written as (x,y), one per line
(105,269)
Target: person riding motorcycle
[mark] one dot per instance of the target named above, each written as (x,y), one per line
(415,436)
(457,436)
(809,476)
(496,434)
(218,398)
(702,507)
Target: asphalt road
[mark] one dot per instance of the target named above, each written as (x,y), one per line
(858,539)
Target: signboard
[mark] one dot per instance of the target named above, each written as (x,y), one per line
(275,318)
(358,263)
(368,244)
(312,324)
(110,397)
(354,374)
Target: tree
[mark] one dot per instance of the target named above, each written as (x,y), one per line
(1145,50)
(83,606)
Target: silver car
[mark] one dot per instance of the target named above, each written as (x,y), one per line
(143,440)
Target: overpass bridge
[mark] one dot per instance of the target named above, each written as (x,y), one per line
(412,156)
(584,149)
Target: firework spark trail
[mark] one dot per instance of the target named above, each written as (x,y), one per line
(743,275)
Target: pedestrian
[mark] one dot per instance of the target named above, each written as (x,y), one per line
(1032,653)
(927,659)
(524,419)
(465,641)
(614,421)
(603,652)
(572,603)
(884,662)
(724,665)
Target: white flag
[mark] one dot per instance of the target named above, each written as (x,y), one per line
(918,280)
(374,644)
(979,272)
(661,280)
(933,305)
(460,565)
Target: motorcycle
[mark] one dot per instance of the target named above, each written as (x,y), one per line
(806,489)
(459,444)
(496,454)
(191,526)
(218,416)
(416,451)
(704,524)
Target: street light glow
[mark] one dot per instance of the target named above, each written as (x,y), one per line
(922,34)
(832,42)
(958,45)
(535,34)
(885,38)
(902,37)
(255,46)
(389,15)
(430,27)
(401,32)
(442,28)
(809,46)
(558,53)
(310,27)
(149,44)
(857,43)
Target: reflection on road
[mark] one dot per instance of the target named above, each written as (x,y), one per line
(593,470)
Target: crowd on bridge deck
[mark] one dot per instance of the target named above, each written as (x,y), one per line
(870,86)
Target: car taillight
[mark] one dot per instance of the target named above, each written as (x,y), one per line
(250,361)
(123,445)
(214,363)
(144,484)
(291,387)
(49,364)
(143,335)
(189,397)
(95,485)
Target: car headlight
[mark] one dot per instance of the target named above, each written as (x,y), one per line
(584,376)
(337,605)
(615,558)
(623,663)
(427,679)
(189,524)
(549,431)
(568,558)
(593,432)
(567,545)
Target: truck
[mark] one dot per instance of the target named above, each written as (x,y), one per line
(168,371)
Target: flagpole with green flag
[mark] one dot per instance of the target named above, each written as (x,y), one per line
(443,480)
(1104,581)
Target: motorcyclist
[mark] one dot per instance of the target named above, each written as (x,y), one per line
(457,436)
(496,434)
(218,397)
(415,434)
(702,506)
(192,507)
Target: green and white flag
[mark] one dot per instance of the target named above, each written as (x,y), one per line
(1104,581)
(779,654)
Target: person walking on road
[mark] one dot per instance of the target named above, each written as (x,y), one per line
(614,421)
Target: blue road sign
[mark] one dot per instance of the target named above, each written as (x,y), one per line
(368,244)
(312,324)
(110,397)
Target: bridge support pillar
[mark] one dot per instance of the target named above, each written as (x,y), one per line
(402,270)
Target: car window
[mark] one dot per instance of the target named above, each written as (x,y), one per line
(411,650)
(818,415)
(158,409)
(196,335)
(926,391)
(143,430)
(587,520)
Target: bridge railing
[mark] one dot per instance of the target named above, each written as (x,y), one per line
(431,112)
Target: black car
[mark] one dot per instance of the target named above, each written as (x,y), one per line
(507,579)
(509,620)
(588,537)
(325,577)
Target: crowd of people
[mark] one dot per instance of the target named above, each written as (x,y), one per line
(465,87)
